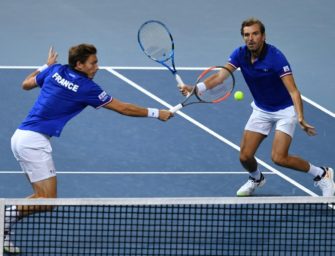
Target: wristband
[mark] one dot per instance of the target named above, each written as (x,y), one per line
(201,87)
(153,112)
(42,68)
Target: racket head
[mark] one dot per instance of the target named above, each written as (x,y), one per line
(220,92)
(156,40)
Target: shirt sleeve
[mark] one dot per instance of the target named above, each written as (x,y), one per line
(97,97)
(234,58)
(42,75)
(281,65)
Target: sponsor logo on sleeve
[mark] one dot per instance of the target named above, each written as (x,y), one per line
(286,68)
(103,96)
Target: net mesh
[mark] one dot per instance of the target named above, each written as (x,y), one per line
(222,226)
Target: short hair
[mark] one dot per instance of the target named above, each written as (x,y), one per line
(252,21)
(80,53)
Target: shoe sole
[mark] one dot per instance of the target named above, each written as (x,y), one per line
(261,184)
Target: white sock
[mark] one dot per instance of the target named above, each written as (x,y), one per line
(256,174)
(315,171)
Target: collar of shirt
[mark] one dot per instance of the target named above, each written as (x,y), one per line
(77,71)
(261,55)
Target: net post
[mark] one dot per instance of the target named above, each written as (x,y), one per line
(2,223)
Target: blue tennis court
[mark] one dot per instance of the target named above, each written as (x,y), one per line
(104,154)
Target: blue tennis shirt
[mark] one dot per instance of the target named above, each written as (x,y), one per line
(263,77)
(64,94)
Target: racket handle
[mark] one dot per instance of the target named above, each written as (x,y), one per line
(179,80)
(176,108)
(180,83)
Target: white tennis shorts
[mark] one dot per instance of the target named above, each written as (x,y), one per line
(261,121)
(33,152)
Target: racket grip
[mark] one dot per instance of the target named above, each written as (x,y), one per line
(176,108)
(180,83)
(179,80)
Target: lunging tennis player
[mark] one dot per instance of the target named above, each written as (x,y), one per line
(65,91)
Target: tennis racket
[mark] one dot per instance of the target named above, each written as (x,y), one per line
(220,82)
(157,43)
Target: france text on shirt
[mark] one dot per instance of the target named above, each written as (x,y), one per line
(63,82)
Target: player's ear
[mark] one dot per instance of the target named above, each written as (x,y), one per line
(79,65)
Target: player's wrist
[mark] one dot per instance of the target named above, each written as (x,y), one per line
(153,112)
(42,68)
(201,87)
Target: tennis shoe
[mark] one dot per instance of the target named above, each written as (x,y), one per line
(8,245)
(250,186)
(326,182)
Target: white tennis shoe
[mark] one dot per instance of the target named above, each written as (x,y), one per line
(326,182)
(250,186)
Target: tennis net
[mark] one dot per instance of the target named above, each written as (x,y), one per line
(174,226)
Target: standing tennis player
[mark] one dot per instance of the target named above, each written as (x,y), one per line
(277,103)
(65,91)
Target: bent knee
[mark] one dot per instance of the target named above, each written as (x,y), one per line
(279,159)
(245,157)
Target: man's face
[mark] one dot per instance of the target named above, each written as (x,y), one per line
(89,67)
(253,37)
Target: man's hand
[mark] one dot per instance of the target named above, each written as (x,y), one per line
(52,56)
(185,90)
(164,115)
(310,130)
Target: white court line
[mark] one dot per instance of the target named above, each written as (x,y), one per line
(138,173)
(211,132)
(316,105)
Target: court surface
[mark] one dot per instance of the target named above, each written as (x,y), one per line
(103,154)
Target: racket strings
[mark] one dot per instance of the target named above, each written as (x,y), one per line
(156,41)
(216,94)
(219,92)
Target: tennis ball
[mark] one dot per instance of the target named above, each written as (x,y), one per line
(238,95)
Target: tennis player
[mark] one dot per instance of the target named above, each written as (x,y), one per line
(277,103)
(65,91)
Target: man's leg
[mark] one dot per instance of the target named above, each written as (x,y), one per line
(33,151)
(324,177)
(42,189)
(280,153)
(249,145)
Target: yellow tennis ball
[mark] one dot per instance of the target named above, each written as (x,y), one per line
(238,95)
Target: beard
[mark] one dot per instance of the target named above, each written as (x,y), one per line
(255,48)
